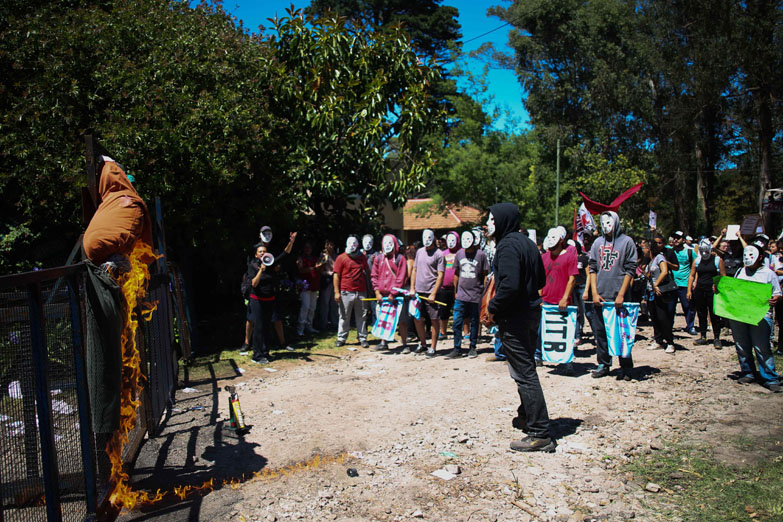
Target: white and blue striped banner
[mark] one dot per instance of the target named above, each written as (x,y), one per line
(620,327)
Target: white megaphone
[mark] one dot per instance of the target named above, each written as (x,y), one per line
(267,259)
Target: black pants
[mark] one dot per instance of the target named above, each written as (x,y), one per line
(445,295)
(518,346)
(702,298)
(601,344)
(261,315)
(662,313)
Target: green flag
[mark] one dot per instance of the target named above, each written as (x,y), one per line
(743,301)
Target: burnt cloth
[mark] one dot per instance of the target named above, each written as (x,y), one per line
(105,309)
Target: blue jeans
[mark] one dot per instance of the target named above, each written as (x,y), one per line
(750,340)
(687,307)
(461,308)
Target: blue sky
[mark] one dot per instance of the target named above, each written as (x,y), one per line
(503,84)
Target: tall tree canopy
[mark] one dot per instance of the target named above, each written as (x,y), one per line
(687,92)
(230,130)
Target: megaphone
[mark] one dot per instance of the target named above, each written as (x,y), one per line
(267,259)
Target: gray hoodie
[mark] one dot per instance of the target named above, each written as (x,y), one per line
(611,259)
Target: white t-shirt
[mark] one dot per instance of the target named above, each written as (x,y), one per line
(762,275)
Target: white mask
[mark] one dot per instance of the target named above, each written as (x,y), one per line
(388,245)
(451,241)
(750,255)
(607,224)
(704,249)
(367,242)
(476,237)
(351,245)
(550,241)
(491,225)
(266,236)
(467,240)
(427,237)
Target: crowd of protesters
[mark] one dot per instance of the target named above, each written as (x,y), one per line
(447,276)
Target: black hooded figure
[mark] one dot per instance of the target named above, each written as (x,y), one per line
(519,275)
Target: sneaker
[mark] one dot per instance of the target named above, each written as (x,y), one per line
(244,348)
(430,353)
(289,348)
(701,341)
(420,349)
(454,354)
(601,371)
(300,333)
(746,379)
(774,388)
(364,344)
(719,346)
(693,331)
(312,330)
(625,375)
(518,424)
(539,362)
(472,353)
(530,443)
(441,336)
(262,360)
(405,349)
(655,346)
(669,348)
(339,344)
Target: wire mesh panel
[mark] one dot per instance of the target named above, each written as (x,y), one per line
(158,340)
(44,429)
(21,483)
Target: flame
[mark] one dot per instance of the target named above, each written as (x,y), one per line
(134,288)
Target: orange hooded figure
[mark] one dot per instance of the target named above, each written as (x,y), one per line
(121,219)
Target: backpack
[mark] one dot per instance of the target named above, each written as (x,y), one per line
(245,287)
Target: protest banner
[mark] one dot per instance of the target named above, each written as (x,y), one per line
(389,311)
(653,220)
(558,331)
(732,232)
(740,300)
(750,225)
(620,327)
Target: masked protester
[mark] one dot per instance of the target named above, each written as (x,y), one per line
(469,278)
(390,271)
(561,268)
(426,280)
(519,275)
(752,339)
(350,287)
(701,290)
(612,268)
(370,307)
(446,292)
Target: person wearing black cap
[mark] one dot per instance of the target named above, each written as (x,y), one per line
(685,258)
(519,275)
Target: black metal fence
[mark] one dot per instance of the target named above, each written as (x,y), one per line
(49,467)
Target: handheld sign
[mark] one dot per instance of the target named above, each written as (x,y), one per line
(620,327)
(740,300)
(558,331)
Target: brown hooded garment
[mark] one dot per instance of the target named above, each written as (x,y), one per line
(121,219)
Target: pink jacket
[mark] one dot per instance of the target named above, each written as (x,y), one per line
(389,271)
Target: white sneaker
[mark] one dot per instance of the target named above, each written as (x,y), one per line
(670,348)
(655,346)
(290,348)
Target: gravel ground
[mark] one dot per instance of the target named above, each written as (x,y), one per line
(429,439)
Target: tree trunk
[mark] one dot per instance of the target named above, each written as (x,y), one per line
(764,115)
(679,200)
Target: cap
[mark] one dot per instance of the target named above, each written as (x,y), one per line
(689,238)
(678,234)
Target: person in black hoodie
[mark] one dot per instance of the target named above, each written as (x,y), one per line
(519,275)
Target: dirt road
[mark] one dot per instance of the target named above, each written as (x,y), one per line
(398,418)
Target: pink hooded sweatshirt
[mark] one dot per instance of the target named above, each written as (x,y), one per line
(389,270)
